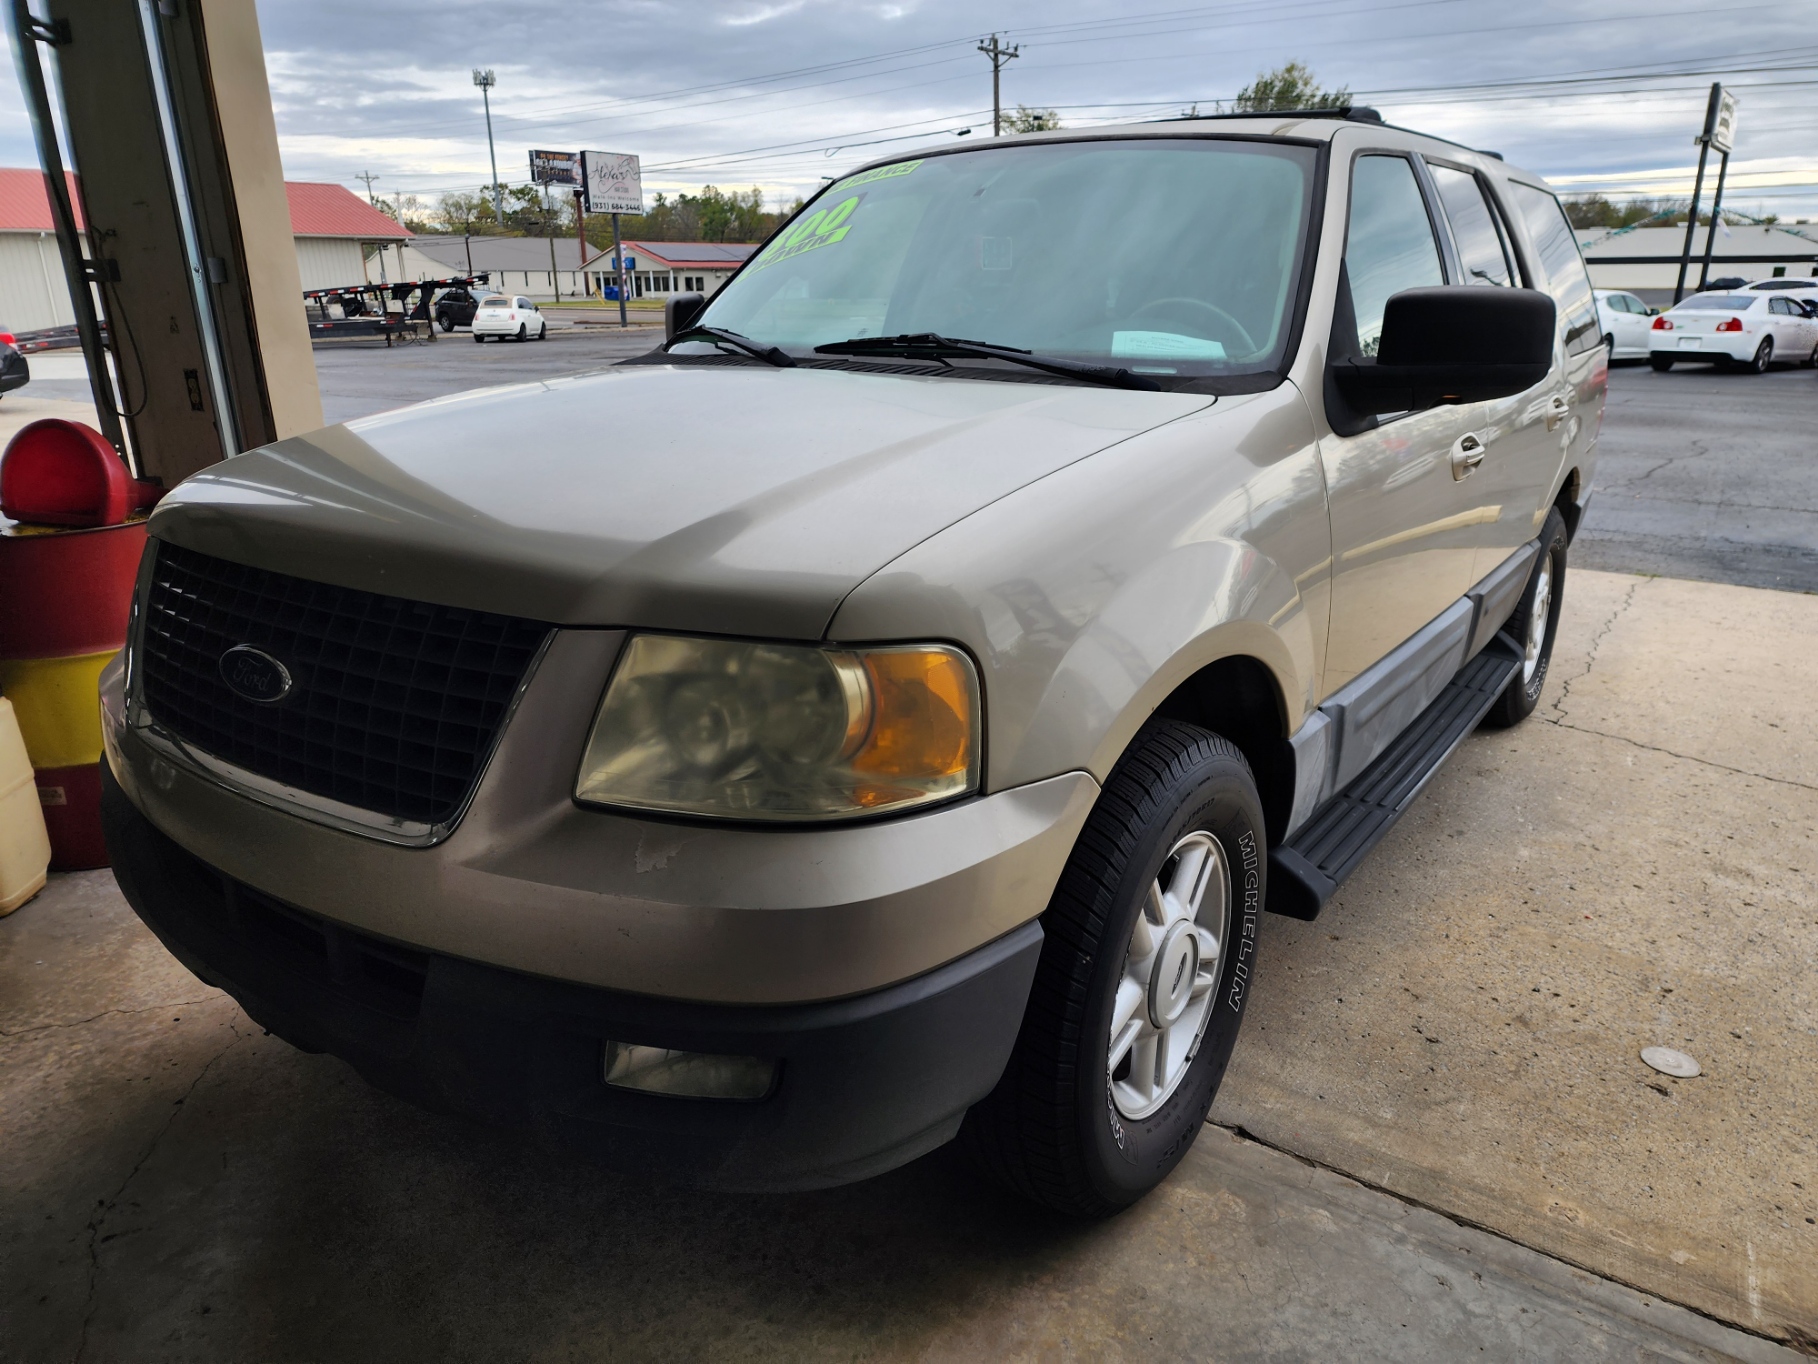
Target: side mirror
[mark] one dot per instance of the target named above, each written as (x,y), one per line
(1653,312)
(1452,344)
(679,313)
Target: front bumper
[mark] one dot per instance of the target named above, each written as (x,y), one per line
(864,1084)
(531,882)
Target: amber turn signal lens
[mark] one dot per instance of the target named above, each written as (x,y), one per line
(922,725)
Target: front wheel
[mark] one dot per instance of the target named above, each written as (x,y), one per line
(520,331)
(1811,361)
(543,332)
(1149,948)
(1764,356)
(1661,363)
(1533,627)
(447,322)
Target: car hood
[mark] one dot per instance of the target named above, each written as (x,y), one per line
(684,497)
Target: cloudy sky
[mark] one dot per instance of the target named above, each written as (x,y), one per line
(1596,94)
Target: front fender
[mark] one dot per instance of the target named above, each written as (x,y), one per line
(1090,594)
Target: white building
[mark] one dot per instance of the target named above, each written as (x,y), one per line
(662,268)
(1768,251)
(336,234)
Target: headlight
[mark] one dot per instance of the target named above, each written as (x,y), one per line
(773,731)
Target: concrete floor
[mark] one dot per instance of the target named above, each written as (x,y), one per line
(1459,1032)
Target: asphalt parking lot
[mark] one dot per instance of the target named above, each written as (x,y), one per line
(1436,1140)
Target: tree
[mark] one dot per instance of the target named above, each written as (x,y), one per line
(1289,87)
(1027,120)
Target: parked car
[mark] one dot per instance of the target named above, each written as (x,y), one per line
(455,308)
(1805,290)
(1749,331)
(502,315)
(1625,320)
(14,371)
(883,712)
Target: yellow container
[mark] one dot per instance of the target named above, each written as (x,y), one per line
(59,702)
(24,846)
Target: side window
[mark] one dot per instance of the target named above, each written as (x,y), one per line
(1390,244)
(1474,227)
(1780,305)
(1566,278)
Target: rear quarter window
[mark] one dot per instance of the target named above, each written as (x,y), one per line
(1560,263)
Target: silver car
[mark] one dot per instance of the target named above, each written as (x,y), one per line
(882,713)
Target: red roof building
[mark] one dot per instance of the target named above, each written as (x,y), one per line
(334,229)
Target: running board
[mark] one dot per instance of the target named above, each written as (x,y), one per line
(1306,870)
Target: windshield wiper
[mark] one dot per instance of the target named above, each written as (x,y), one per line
(938,347)
(770,355)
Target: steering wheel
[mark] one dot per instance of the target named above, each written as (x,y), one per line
(1219,316)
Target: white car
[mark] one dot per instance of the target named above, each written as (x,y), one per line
(1626,323)
(1750,330)
(1805,290)
(502,315)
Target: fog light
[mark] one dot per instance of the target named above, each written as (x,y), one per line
(687,1074)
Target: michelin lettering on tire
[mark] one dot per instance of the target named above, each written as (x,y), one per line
(1240,969)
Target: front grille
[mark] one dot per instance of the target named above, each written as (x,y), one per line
(394,704)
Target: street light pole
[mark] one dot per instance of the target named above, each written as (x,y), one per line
(486,80)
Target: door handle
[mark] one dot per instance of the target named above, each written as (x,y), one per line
(1557,407)
(1467,453)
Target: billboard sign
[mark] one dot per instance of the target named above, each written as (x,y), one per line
(555,168)
(613,182)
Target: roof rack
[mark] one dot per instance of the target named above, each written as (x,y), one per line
(1357,113)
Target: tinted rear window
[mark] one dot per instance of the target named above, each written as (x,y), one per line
(1716,303)
(495,301)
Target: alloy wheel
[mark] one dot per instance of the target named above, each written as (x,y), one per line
(1170,968)
(1537,621)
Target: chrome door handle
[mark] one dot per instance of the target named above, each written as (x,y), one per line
(1557,408)
(1467,453)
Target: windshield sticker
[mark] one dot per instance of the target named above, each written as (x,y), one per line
(881,173)
(1164,346)
(823,228)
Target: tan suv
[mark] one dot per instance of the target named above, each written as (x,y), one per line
(882,713)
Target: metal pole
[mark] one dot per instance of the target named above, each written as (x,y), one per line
(486,80)
(24,31)
(999,54)
(1691,222)
(1710,238)
(555,280)
(618,259)
(580,235)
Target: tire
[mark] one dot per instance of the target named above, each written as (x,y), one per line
(1764,356)
(1609,345)
(520,331)
(478,338)
(1533,626)
(447,322)
(1057,1128)
(1811,361)
(543,332)
(1661,363)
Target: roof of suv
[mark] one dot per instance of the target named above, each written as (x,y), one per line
(1305,125)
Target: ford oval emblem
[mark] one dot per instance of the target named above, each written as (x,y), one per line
(255,675)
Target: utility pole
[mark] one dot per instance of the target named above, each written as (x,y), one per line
(369,177)
(999,54)
(1719,132)
(486,80)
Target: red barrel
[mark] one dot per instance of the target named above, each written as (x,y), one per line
(68,561)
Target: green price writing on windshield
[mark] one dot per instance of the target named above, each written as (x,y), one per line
(823,228)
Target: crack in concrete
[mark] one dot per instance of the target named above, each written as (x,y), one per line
(1699,451)
(107,1205)
(1565,685)
(1688,757)
(80,1022)
(1458,1219)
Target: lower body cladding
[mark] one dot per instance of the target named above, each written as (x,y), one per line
(859,1085)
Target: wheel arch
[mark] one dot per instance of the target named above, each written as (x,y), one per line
(1240,698)
(1570,502)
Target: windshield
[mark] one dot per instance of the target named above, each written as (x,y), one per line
(1166,257)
